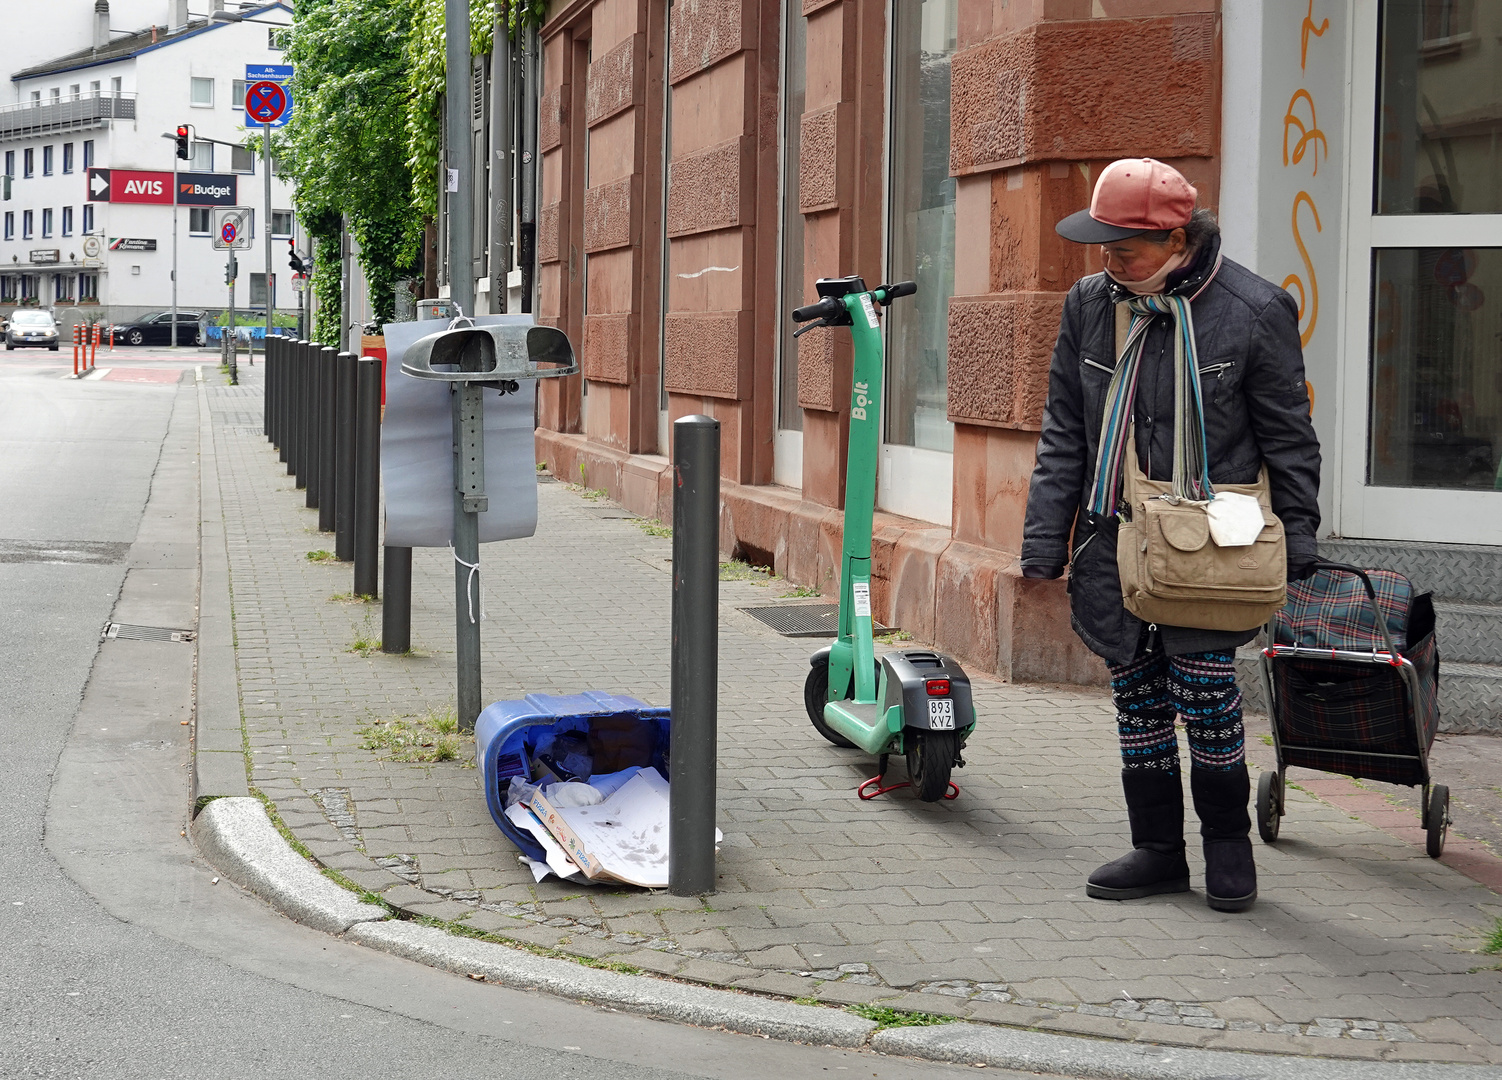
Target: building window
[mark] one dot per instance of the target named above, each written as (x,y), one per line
(10,163)
(46,222)
(36,98)
(258,290)
(62,288)
(202,95)
(28,284)
(25,224)
(67,157)
(115,85)
(55,95)
(88,153)
(276,38)
(10,224)
(237,95)
(29,161)
(67,221)
(241,160)
(94,88)
(74,92)
(200,221)
(921,227)
(46,161)
(203,157)
(789,414)
(88,287)
(281,223)
(7,289)
(88,218)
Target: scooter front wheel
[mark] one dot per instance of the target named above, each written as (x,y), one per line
(816,695)
(930,759)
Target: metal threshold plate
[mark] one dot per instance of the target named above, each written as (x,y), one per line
(805,620)
(131,632)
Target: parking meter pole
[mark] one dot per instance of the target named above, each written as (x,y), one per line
(396,601)
(346,372)
(695,659)
(327,418)
(367,476)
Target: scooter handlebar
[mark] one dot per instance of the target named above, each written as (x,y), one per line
(823,309)
(899,288)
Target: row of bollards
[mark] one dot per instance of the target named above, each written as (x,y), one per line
(323,414)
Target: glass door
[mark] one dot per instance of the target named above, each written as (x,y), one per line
(917,462)
(787,450)
(1426,234)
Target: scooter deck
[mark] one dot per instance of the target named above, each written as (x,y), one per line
(863,723)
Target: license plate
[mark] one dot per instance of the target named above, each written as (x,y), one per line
(940,714)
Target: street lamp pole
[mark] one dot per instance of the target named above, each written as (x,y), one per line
(270,277)
(174,246)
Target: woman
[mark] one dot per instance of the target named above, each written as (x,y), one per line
(1156,244)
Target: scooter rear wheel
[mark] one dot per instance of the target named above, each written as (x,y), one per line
(930,759)
(816,694)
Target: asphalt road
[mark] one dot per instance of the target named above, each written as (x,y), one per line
(122,956)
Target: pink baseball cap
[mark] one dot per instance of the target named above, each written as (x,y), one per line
(1132,196)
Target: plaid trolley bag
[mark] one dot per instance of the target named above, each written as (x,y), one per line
(1352,691)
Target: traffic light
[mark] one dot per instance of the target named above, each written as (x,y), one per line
(294,259)
(182,141)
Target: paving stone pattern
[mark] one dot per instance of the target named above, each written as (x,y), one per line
(1360,946)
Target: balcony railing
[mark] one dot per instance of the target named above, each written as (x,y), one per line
(70,114)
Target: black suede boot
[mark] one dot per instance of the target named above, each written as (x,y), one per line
(1220,799)
(1156,864)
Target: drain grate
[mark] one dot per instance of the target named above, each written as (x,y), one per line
(804,620)
(131,632)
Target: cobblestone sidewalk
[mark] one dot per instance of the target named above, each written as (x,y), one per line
(1360,946)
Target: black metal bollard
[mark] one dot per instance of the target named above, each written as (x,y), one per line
(696,651)
(268,392)
(295,413)
(346,370)
(367,476)
(327,421)
(313,472)
(396,601)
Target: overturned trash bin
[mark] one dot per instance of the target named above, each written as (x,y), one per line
(574,741)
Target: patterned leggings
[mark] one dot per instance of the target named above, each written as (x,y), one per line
(1200,687)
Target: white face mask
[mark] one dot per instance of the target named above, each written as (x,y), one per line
(1154,284)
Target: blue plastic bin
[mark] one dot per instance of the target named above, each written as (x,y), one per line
(506,734)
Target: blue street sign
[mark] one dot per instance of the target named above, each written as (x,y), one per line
(275,73)
(265,102)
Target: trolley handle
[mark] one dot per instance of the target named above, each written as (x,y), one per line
(1371,596)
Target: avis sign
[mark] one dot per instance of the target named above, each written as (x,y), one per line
(193,189)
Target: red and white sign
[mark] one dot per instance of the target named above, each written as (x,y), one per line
(127,186)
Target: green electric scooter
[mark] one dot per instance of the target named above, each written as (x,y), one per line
(913,702)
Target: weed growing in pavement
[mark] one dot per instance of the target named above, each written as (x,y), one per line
(799,592)
(894,637)
(320,556)
(365,641)
(433,736)
(807,1001)
(736,570)
(1493,942)
(352,598)
(592,494)
(653,527)
(886,1017)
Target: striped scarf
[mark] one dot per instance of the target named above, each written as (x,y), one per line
(1191,470)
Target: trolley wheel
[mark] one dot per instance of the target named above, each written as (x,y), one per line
(1437,820)
(930,759)
(1269,805)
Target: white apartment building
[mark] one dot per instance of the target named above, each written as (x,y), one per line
(82,143)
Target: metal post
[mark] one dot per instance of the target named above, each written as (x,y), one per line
(347,288)
(299,462)
(527,167)
(327,420)
(268,397)
(469,413)
(229,275)
(696,649)
(367,476)
(270,275)
(396,601)
(346,372)
(174,245)
(502,172)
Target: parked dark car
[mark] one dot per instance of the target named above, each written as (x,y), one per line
(32,328)
(155,328)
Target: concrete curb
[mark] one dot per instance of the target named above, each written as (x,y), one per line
(238,838)
(1034,1051)
(697,1005)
